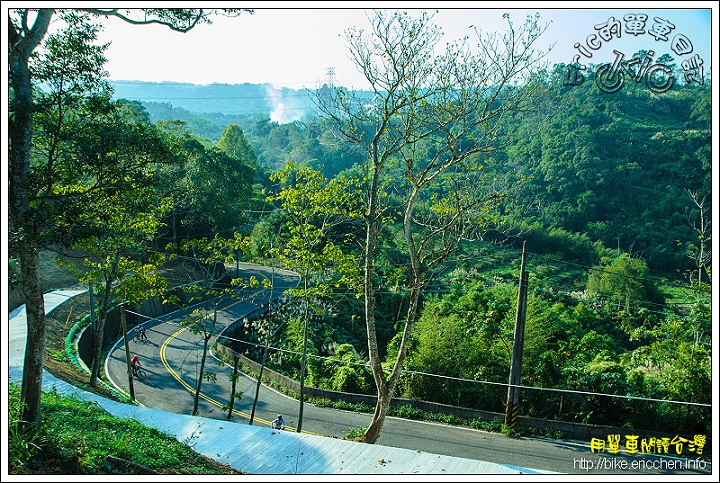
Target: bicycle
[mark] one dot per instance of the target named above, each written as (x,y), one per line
(139,336)
(278,424)
(139,373)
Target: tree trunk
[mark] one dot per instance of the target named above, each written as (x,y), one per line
(34,361)
(23,222)
(381,408)
(97,338)
(196,405)
(373,430)
(369,283)
(234,378)
(417,275)
(386,387)
(303,364)
(259,383)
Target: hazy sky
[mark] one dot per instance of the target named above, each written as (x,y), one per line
(295,47)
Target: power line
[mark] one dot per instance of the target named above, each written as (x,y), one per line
(571,391)
(602,269)
(629,307)
(349,291)
(603,302)
(475,381)
(150,84)
(205,98)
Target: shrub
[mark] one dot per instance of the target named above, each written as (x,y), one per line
(407,412)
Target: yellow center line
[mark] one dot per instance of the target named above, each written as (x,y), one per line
(192,390)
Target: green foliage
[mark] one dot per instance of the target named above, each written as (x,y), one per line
(355,433)
(210,376)
(293,341)
(211,188)
(407,412)
(314,204)
(347,379)
(340,404)
(349,373)
(463,334)
(234,143)
(572,247)
(570,342)
(494,426)
(89,153)
(619,279)
(117,264)
(72,337)
(24,441)
(85,435)
(621,177)
(216,188)
(508,430)
(624,281)
(70,67)
(674,363)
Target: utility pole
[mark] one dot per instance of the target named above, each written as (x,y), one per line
(269,334)
(513,396)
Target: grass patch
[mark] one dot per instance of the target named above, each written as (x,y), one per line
(355,434)
(491,426)
(78,437)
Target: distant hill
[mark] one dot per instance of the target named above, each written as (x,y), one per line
(282,105)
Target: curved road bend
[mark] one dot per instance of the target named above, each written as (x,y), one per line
(171,357)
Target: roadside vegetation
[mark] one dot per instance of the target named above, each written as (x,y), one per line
(79,437)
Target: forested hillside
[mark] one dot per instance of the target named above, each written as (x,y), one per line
(468,194)
(404,212)
(611,195)
(620,168)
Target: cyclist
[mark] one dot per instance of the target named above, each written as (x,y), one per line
(140,329)
(135,363)
(279,423)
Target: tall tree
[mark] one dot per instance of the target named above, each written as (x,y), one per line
(424,132)
(26,30)
(700,253)
(234,143)
(208,293)
(218,187)
(211,188)
(313,206)
(118,262)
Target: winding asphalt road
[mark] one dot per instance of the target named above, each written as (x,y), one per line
(171,358)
